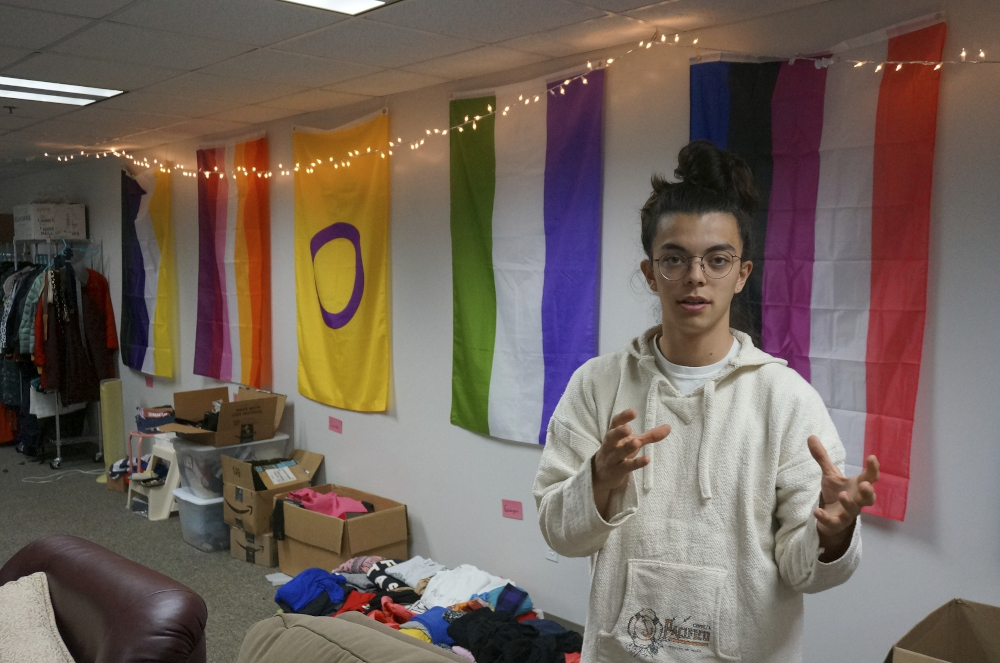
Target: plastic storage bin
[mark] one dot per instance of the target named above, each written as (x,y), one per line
(201,465)
(202,522)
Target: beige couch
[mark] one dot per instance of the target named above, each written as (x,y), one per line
(349,638)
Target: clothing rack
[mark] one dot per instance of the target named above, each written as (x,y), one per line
(54,246)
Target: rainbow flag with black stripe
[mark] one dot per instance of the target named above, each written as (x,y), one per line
(843,157)
(233,340)
(526,237)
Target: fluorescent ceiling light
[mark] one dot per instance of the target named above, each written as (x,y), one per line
(50,98)
(58,87)
(53,93)
(351,7)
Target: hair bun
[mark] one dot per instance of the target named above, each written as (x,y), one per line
(703,164)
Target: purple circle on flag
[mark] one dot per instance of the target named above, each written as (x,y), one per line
(321,239)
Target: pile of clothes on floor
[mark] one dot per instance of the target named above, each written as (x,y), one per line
(465,610)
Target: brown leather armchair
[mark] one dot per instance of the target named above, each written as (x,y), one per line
(110,609)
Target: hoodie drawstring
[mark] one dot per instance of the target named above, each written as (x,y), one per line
(705,445)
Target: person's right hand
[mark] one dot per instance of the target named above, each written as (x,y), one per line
(616,458)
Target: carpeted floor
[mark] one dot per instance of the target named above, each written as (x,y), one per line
(236,592)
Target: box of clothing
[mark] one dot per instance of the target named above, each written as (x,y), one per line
(960,630)
(249,487)
(257,549)
(206,416)
(50,222)
(328,525)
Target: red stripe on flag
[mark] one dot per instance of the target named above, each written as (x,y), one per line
(905,127)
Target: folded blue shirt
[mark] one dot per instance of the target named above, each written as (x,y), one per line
(303,588)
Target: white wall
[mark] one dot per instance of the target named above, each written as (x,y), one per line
(453,480)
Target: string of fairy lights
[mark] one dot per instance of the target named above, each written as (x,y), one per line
(472,122)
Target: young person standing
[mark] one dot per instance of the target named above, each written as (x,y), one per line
(702,476)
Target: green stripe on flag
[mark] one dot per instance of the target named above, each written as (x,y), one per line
(473,184)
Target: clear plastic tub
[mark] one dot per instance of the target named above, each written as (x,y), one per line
(201,465)
(202,523)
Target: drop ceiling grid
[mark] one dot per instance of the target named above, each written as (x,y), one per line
(212,66)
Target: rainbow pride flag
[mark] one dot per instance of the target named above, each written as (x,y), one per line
(844,158)
(233,340)
(149,275)
(526,238)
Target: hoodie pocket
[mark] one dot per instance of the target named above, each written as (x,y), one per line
(674,612)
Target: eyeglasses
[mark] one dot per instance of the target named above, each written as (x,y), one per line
(717,265)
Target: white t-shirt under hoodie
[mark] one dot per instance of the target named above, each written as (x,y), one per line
(689,378)
(708,549)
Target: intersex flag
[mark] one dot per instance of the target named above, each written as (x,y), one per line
(233,340)
(526,182)
(149,274)
(341,264)
(844,157)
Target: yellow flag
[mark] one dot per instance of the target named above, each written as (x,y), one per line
(341,261)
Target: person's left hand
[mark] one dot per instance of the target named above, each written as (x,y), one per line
(841,498)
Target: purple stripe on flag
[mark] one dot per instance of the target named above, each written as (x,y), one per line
(135,317)
(573,173)
(208,340)
(789,248)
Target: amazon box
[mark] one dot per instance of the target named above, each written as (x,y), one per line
(960,631)
(250,509)
(257,549)
(254,416)
(317,540)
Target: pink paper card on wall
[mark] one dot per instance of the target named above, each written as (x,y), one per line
(336,425)
(512,509)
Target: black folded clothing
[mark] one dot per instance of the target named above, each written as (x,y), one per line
(497,637)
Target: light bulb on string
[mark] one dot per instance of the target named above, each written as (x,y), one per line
(899,66)
(878,68)
(962,55)
(695,41)
(982,54)
(937,66)
(677,38)
(860,64)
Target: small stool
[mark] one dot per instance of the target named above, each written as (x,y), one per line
(135,458)
(161,498)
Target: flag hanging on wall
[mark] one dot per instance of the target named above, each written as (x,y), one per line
(526,239)
(341,265)
(149,276)
(233,341)
(843,157)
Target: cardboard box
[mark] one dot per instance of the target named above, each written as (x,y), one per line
(960,631)
(247,420)
(316,540)
(50,222)
(257,549)
(249,509)
(118,485)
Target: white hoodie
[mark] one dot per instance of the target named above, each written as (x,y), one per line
(707,549)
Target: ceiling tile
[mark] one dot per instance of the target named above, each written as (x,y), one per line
(168,104)
(694,14)
(9,55)
(122,122)
(89,8)
(590,35)
(380,44)
(37,109)
(254,114)
(24,28)
(386,82)
(258,22)
(484,21)
(476,62)
(235,90)
(10,122)
(95,73)
(128,43)
(622,5)
(314,100)
(295,69)
(205,126)
(59,132)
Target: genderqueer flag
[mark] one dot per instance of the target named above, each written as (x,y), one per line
(233,341)
(342,264)
(526,237)
(843,156)
(149,276)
